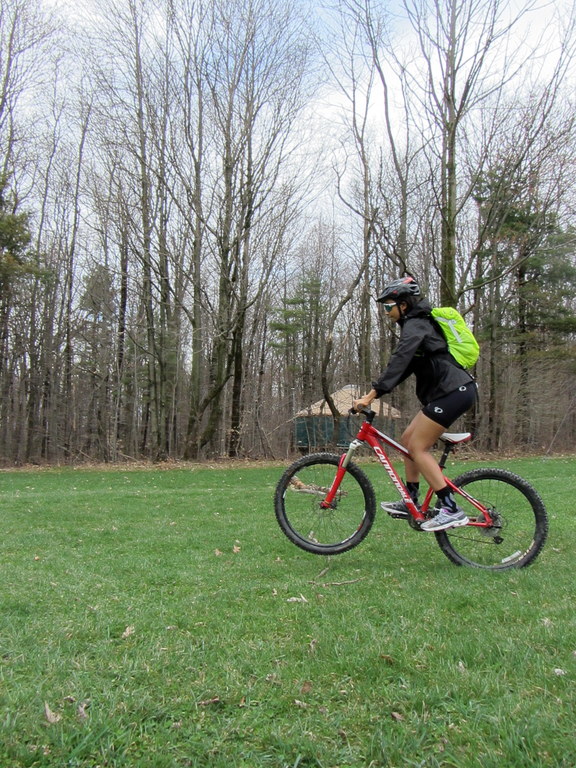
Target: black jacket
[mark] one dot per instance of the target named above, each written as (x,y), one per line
(422,350)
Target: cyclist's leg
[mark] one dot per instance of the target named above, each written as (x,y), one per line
(424,434)
(427,426)
(443,412)
(418,438)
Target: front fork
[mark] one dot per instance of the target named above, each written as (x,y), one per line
(328,501)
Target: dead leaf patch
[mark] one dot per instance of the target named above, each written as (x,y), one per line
(51,717)
(209,702)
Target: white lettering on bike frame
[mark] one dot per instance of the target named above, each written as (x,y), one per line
(383,459)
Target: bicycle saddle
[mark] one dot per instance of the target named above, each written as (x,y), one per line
(455,437)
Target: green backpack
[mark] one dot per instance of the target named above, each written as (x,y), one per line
(461,342)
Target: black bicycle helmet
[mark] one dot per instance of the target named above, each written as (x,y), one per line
(398,289)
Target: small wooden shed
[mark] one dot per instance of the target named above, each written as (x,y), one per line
(314,425)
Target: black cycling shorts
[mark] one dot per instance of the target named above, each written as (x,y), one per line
(445,410)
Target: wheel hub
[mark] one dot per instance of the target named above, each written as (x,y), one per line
(494,531)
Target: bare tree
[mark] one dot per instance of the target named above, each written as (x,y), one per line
(467,55)
(246,70)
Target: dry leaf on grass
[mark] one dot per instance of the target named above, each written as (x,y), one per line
(51,717)
(209,702)
(127,632)
(300,599)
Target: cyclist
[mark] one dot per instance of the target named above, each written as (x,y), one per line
(445,389)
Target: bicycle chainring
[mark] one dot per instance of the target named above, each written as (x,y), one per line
(413,523)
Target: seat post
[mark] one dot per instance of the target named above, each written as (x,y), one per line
(445,453)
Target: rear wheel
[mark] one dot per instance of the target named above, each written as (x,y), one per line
(519,522)
(297,504)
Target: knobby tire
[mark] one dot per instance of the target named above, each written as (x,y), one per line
(297,504)
(520,522)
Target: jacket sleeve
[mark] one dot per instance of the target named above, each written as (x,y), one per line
(400,364)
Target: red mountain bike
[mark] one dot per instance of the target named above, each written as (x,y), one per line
(325,504)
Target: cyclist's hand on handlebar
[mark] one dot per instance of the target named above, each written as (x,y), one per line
(363,403)
(359,409)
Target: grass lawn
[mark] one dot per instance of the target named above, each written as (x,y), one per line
(158,617)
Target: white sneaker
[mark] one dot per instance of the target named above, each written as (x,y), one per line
(395,508)
(445,519)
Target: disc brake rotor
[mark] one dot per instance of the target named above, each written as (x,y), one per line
(495,530)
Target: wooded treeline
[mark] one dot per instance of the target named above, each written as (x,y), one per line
(200,199)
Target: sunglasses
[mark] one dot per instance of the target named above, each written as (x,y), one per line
(388,307)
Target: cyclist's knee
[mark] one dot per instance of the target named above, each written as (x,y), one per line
(416,452)
(406,437)
(417,445)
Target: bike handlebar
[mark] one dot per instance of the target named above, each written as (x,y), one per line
(368,412)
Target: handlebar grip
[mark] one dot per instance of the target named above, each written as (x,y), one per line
(368,412)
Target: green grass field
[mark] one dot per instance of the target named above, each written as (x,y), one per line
(158,617)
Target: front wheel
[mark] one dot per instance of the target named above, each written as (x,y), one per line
(301,516)
(519,524)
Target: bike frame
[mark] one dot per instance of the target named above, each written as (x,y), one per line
(368,434)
